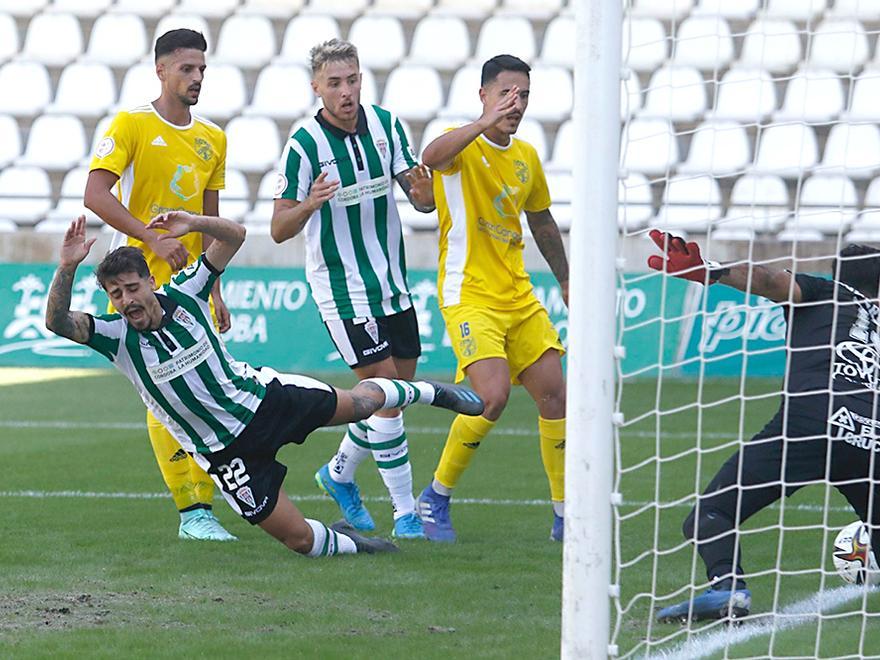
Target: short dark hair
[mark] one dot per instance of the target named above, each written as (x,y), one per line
(125,259)
(499,63)
(859,267)
(180,38)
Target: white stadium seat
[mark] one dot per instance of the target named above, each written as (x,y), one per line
(704,42)
(739,10)
(344,9)
(464,94)
(223,92)
(400,97)
(25,88)
(469,9)
(214,9)
(55,142)
(246,41)
(96,78)
(812,95)
(22,8)
(771,44)
(745,95)
(863,99)
(369,89)
(826,205)
(403,9)
(82,8)
(540,10)
(442,42)
(717,148)
(53,39)
(676,93)
(630,96)
(8,37)
(786,149)
(758,203)
(563,149)
(117,40)
(235,197)
(852,149)
(635,205)
(302,33)
(644,43)
(551,96)
(379,40)
(10,140)
(261,215)
(559,42)
(25,194)
(840,45)
(145,8)
(691,203)
(797,10)
(530,130)
(139,86)
(506,34)
(759,190)
(670,9)
(561,186)
(435,128)
(280,9)
(252,144)
(190,21)
(649,146)
(70,203)
(866,10)
(282,92)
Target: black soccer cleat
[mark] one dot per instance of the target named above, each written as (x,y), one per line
(365,544)
(456,398)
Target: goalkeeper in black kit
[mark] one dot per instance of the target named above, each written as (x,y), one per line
(826,428)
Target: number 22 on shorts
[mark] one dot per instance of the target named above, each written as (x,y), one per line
(234,474)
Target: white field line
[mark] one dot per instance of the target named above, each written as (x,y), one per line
(800,613)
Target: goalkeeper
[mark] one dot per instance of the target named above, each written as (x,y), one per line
(826,428)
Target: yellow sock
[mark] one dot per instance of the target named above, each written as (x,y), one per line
(463,439)
(552,432)
(189,484)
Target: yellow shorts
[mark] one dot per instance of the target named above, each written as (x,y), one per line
(519,336)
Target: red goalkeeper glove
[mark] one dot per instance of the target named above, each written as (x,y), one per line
(683,259)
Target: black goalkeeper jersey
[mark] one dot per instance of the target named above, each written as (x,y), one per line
(833,346)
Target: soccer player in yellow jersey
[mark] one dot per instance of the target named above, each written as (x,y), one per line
(160,157)
(484,178)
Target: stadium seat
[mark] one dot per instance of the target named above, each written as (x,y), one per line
(55,142)
(191,21)
(644,43)
(559,42)
(404,9)
(745,95)
(25,194)
(70,203)
(630,96)
(245,40)
(796,10)
(468,9)
(301,34)
(252,144)
(635,202)
(540,10)
(771,44)
(10,140)
(25,88)
(53,39)
(97,135)
(436,127)
(703,42)
(442,42)
(505,34)
(852,149)
(369,88)
(213,9)
(278,9)
(379,40)
(8,37)
(117,40)
(786,149)
(344,9)
(261,214)
(464,95)
(146,8)
(81,8)
(812,95)
(840,45)
(758,203)
(865,10)
(827,203)
(223,92)
(532,131)
(235,197)
(863,99)
(676,93)
(691,203)
(399,94)
(649,146)
(7,226)
(561,187)
(551,97)
(662,8)
(21,8)
(96,78)
(281,92)
(740,10)
(139,86)
(563,149)
(717,148)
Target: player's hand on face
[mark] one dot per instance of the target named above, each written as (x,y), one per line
(75,247)
(421,189)
(322,191)
(505,106)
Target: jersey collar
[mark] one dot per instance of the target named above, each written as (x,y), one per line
(192,119)
(360,129)
(495,145)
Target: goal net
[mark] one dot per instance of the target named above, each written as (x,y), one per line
(751,128)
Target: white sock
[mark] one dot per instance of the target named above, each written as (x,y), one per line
(328,542)
(559,509)
(440,489)
(353,449)
(387,438)
(399,393)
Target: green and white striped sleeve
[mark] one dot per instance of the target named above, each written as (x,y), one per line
(294,172)
(404,157)
(107,331)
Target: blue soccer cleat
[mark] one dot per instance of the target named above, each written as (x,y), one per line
(557,533)
(714,604)
(348,498)
(433,509)
(408,526)
(201,525)
(456,398)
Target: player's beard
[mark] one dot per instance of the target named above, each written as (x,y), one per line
(186,99)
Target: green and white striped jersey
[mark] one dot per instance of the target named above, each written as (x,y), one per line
(355,262)
(182,370)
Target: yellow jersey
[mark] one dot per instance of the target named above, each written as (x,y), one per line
(162,167)
(479,201)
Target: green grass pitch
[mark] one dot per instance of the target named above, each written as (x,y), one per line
(105,576)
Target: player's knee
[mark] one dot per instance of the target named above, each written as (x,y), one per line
(710,524)
(494,400)
(551,405)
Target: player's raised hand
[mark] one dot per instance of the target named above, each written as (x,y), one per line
(505,106)
(166,246)
(322,191)
(421,190)
(681,259)
(174,223)
(75,247)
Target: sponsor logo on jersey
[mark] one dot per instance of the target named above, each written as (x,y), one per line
(105,147)
(158,141)
(355,193)
(326,163)
(280,185)
(857,363)
(185,182)
(499,232)
(182,363)
(505,194)
(374,349)
(854,429)
(245,494)
(204,149)
(521,170)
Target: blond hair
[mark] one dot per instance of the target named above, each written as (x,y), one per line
(334,50)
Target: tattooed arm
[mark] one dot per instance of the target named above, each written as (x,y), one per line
(549,242)
(59,318)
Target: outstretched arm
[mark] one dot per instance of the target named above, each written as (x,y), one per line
(59,318)
(227,235)
(289,216)
(545,231)
(419,188)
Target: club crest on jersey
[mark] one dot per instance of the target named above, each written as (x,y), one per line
(183,317)
(204,149)
(468,346)
(245,494)
(521,170)
(382,146)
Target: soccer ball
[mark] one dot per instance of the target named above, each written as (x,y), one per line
(852,554)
